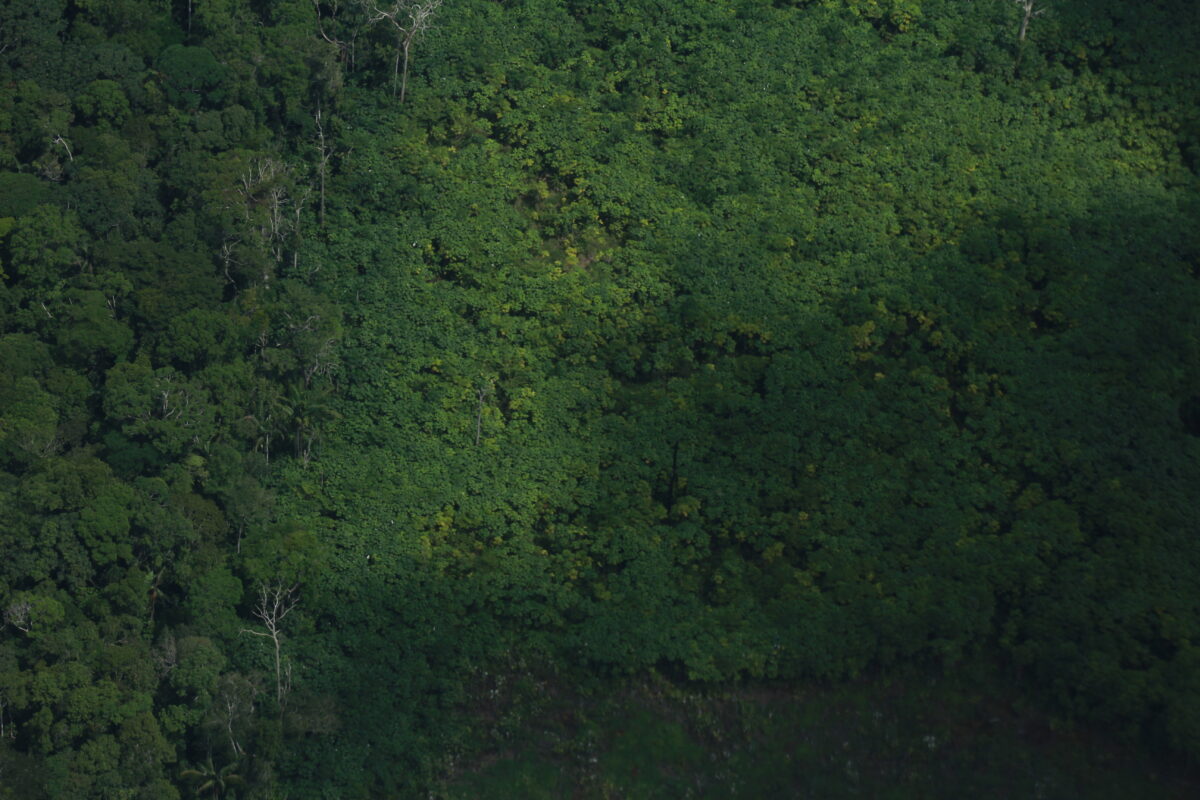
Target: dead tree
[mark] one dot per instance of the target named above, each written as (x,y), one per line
(324,153)
(409,18)
(1030,9)
(232,710)
(18,615)
(269,204)
(275,602)
(482,393)
(345,49)
(65,145)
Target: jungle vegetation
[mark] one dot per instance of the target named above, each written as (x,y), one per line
(355,353)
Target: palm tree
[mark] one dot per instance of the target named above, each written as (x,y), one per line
(210,779)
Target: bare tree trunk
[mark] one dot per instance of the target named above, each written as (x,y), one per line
(153,593)
(1025,22)
(274,603)
(59,140)
(1031,9)
(323,165)
(396,72)
(233,742)
(409,18)
(404,82)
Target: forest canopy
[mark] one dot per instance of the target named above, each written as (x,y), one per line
(350,350)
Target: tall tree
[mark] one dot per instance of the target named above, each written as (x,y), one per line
(409,19)
(1029,10)
(275,602)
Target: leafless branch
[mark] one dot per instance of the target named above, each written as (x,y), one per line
(409,18)
(1031,9)
(61,142)
(345,48)
(275,602)
(325,152)
(18,615)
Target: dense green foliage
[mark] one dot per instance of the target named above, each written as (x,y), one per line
(739,339)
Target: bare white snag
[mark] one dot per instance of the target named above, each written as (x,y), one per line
(1030,9)
(65,145)
(268,204)
(345,48)
(233,706)
(482,393)
(324,152)
(275,602)
(409,18)
(18,615)
(227,257)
